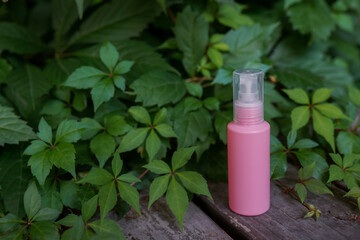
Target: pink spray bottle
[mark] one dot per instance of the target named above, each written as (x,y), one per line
(248,139)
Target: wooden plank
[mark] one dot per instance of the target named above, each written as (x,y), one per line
(159,223)
(284,220)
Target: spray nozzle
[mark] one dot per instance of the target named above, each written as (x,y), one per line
(248,95)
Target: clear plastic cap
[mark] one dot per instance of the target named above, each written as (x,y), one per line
(248,93)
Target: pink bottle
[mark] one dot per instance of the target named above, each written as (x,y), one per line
(249,146)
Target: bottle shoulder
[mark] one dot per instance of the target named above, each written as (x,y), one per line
(262,127)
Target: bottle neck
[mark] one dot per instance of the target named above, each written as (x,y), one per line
(251,114)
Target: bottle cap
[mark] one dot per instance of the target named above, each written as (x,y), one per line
(248,96)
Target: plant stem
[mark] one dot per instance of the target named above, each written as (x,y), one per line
(294,193)
(199,79)
(141,176)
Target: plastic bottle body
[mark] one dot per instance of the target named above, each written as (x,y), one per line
(249,168)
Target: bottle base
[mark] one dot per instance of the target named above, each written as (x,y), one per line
(250,214)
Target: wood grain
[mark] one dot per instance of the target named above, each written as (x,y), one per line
(284,220)
(159,223)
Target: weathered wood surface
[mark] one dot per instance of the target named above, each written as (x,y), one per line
(159,223)
(284,220)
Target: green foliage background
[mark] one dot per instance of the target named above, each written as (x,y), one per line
(95,94)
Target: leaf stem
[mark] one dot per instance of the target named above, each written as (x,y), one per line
(294,193)
(141,176)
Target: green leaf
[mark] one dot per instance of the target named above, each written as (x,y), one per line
(80,7)
(107,198)
(79,102)
(229,15)
(13,129)
(88,209)
(152,144)
(132,139)
(308,157)
(68,131)
(307,171)
(337,159)
(224,76)
(212,103)
(97,176)
(117,126)
(50,197)
(291,137)
(116,165)
(116,21)
(354,192)
(321,95)
(129,178)
(194,182)
(32,201)
(165,130)
(222,119)
(158,88)
(130,195)
(140,114)
(348,142)
(109,55)
(69,220)
(318,21)
(18,39)
(215,57)
(103,145)
(44,230)
(275,144)
(63,156)
(78,229)
(246,44)
(45,132)
(316,186)
(158,188)
(299,117)
(349,159)
(69,194)
(355,168)
(324,127)
(194,89)
(350,180)
(64,14)
(84,77)
(40,166)
(298,95)
(331,111)
(354,95)
(102,92)
(158,167)
(336,173)
(120,82)
(288,3)
(177,199)
(309,214)
(5,69)
(160,117)
(91,128)
(47,214)
(305,143)
(108,228)
(123,67)
(301,191)
(9,222)
(192,126)
(25,85)
(191,33)
(181,157)
(14,178)
(278,165)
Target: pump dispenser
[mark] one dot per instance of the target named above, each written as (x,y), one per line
(248,146)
